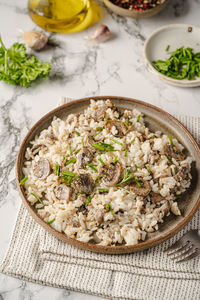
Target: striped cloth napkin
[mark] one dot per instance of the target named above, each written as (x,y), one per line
(37,256)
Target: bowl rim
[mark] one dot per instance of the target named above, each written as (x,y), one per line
(176,82)
(95,247)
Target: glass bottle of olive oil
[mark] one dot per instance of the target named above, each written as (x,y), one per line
(64,16)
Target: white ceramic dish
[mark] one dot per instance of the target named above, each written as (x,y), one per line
(175,35)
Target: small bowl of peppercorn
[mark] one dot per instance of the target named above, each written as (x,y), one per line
(137,9)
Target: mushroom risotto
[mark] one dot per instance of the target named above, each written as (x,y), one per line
(101,176)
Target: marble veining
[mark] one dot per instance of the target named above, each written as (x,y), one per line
(79,69)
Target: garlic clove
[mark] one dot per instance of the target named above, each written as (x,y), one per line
(102,34)
(35,40)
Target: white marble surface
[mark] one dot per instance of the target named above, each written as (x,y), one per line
(113,68)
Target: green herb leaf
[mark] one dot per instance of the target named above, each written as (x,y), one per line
(37,198)
(57,170)
(138,183)
(167,48)
(69,149)
(88,200)
(73,160)
(103,147)
(23,180)
(170,140)
(136,167)
(50,222)
(77,151)
(99,128)
(115,159)
(170,160)
(117,142)
(98,178)
(133,141)
(138,118)
(109,207)
(127,176)
(71,174)
(125,152)
(101,161)
(17,68)
(148,169)
(92,166)
(175,170)
(102,190)
(77,133)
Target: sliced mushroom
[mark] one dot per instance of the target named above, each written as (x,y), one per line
(111,174)
(99,215)
(82,209)
(174,153)
(101,110)
(63,192)
(36,148)
(86,156)
(142,190)
(165,208)
(183,173)
(156,198)
(42,168)
(84,184)
(120,127)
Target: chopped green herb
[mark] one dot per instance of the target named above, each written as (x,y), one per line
(82,142)
(127,122)
(77,133)
(152,137)
(96,134)
(138,183)
(115,159)
(57,170)
(78,194)
(37,198)
(136,167)
(64,157)
(88,200)
(101,161)
(73,160)
(170,160)
(138,118)
(23,180)
(71,174)
(109,207)
(101,190)
(103,147)
(117,142)
(121,188)
(167,48)
(148,169)
(99,128)
(183,63)
(98,178)
(177,196)
(92,166)
(133,140)
(51,221)
(170,140)
(127,176)
(19,68)
(100,227)
(69,149)
(77,151)
(125,152)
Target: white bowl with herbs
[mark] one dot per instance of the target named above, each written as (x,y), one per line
(172,53)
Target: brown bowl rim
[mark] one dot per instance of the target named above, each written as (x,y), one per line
(95,247)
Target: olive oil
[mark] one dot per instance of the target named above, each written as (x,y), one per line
(64,16)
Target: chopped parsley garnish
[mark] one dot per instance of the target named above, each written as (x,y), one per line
(103,147)
(23,180)
(109,207)
(148,169)
(71,174)
(138,118)
(102,190)
(37,198)
(125,152)
(170,140)
(77,151)
(101,161)
(77,133)
(57,170)
(51,221)
(73,160)
(88,200)
(82,142)
(92,166)
(117,142)
(115,159)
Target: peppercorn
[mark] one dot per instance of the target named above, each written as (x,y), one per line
(139,5)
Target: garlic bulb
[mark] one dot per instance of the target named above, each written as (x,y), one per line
(35,40)
(101,35)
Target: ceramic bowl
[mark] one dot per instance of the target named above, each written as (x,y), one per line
(135,13)
(156,119)
(176,36)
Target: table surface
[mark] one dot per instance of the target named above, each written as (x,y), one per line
(113,68)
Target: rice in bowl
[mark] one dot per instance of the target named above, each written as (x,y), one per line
(101,176)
